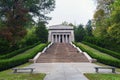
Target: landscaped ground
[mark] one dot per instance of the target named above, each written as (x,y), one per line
(103,76)
(9,75)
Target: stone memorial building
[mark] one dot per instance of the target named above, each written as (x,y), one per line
(61,34)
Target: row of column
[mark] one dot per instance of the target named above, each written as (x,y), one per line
(61,38)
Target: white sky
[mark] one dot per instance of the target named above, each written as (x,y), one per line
(72,11)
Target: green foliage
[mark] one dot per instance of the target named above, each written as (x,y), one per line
(42,32)
(4,45)
(103,42)
(88,28)
(16,52)
(30,38)
(101,57)
(95,41)
(106,51)
(22,58)
(79,33)
(114,32)
(107,22)
(99,14)
(16,15)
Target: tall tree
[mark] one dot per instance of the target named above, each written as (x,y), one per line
(89,28)
(15,14)
(79,33)
(114,28)
(42,32)
(101,17)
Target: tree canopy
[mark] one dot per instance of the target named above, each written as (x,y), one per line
(16,15)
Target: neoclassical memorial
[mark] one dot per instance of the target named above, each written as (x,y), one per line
(61,34)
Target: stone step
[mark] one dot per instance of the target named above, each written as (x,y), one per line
(61,52)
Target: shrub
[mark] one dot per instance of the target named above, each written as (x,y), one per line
(4,45)
(103,42)
(22,58)
(109,52)
(100,57)
(16,52)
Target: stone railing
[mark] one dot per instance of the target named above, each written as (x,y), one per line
(88,57)
(39,53)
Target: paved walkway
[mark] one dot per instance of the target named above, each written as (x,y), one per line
(64,71)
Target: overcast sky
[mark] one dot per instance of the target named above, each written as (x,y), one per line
(72,11)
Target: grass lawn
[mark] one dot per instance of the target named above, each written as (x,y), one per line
(96,52)
(9,75)
(103,76)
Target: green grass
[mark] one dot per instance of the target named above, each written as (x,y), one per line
(103,76)
(9,75)
(96,52)
(100,56)
(109,52)
(21,58)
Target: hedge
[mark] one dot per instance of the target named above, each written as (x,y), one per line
(16,52)
(109,52)
(21,58)
(100,57)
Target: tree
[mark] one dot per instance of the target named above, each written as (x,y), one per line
(89,28)
(114,28)
(79,33)
(102,17)
(15,14)
(114,32)
(42,32)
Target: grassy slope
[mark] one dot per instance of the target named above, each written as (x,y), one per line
(21,58)
(9,75)
(96,52)
(101,76)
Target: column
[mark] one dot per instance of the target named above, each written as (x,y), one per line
(59,38)
(70,39)
(56,38)
(66,38)
(52,38)
(63,38)
(72,35)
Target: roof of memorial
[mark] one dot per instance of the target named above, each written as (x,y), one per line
(60,27)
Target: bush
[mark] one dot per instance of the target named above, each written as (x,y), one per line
(104,42)
(22,58)
(30,38)
(4,45)
(100,57)
(109,52)
(16,52)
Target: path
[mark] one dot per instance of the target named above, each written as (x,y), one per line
(61,52)
(64,71)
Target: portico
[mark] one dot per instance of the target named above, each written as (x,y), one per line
(61,34)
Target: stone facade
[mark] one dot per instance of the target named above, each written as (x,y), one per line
(61,34)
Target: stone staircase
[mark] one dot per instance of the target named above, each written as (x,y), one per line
(61,52)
